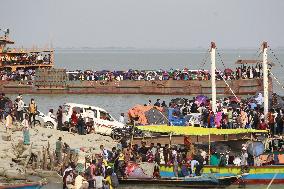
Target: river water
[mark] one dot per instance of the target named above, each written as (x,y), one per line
(141,59)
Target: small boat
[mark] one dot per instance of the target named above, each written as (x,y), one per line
(203,181)
(36,185)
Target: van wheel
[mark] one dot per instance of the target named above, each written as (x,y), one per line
(36,123)
(115,136)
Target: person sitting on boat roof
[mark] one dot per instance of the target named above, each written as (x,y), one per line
(157,103)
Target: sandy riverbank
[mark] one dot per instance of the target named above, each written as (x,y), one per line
(40,137)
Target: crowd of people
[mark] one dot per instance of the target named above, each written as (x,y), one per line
(186,160)
(231,113)
(27,77)
(25,58)
(242,72)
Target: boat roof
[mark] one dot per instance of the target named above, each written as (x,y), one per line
(6,40)
(196,131)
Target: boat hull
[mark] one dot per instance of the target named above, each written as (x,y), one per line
(169,87)
(191,182)
(22,186)
(254,175)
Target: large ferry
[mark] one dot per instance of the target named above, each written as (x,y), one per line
(30,71)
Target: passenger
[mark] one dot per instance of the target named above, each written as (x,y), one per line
(32,111)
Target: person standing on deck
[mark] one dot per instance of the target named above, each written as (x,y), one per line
(271,121)
(32,110)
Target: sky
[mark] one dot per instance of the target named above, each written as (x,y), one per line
(173,24)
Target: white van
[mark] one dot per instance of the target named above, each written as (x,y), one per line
(103,121)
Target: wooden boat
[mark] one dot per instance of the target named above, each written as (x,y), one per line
(56,81)
(22,186)
(204,181)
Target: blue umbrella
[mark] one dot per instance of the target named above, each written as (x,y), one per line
(255,148)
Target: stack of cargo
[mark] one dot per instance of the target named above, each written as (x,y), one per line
(51,78)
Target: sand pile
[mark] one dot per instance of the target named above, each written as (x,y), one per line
(14,155)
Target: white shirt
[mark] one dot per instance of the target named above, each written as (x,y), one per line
(21,105)
(121,119)
(99,181)
(49,114)
(193,164)
(78,182)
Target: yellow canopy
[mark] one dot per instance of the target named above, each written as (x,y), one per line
(196,131)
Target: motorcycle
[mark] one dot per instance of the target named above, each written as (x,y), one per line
(127,132)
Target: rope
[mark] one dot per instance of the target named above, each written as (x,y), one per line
(230,88)
(274,55)
(277,80)
(220,58)
(204,60)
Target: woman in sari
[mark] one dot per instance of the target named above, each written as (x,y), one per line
(26,132)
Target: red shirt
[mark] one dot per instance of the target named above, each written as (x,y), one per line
(263,126)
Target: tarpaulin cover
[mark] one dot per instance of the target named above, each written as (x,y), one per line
(256,148)
(156,117)
(139,170)
(196,131)
(138,111)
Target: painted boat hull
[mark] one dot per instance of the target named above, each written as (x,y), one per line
(254,175)
(191,182)
(22,186)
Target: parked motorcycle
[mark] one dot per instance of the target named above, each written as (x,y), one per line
(127,132)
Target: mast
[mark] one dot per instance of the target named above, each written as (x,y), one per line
(265,78)
(213,76)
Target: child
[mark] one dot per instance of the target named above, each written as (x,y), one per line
(26,133)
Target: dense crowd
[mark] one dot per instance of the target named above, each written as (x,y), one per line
(231,112)
(125,160)
(25,59)
(243,72)
(27,77)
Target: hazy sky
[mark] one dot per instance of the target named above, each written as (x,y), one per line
(144,23)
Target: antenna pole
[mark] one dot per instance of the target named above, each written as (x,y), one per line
(265,79)
(213,75)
